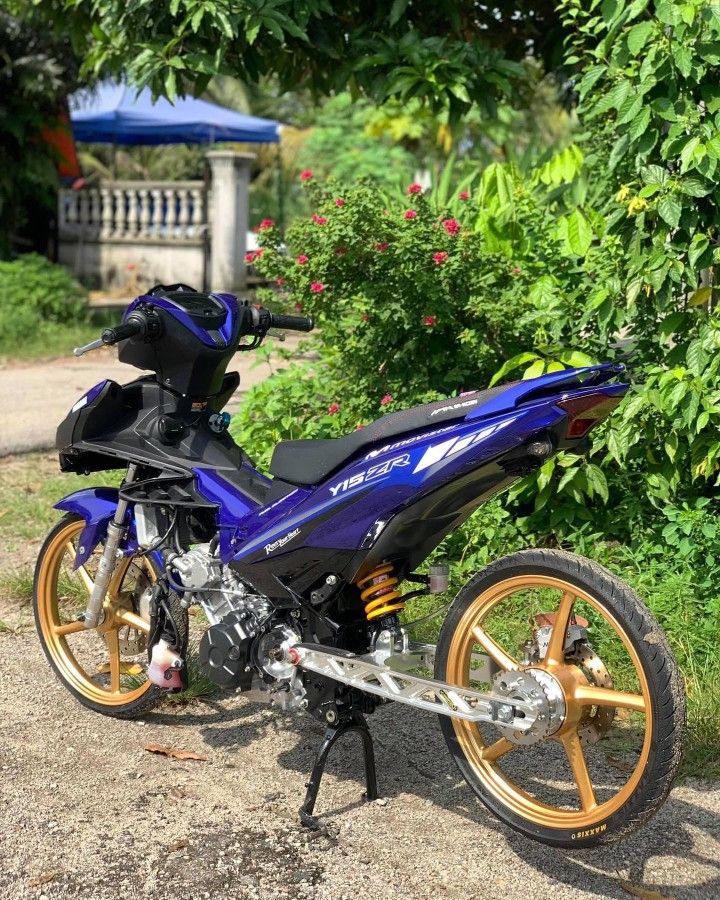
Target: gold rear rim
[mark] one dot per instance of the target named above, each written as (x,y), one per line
(488,757)
(105,664)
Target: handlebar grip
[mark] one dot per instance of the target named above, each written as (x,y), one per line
(291,323)
(121,332)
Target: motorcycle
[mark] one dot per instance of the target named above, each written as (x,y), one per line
(556,692)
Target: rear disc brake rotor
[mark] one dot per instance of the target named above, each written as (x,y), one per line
(596,720)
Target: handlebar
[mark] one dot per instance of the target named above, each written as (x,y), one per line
(134,325)
(256,322)
(291,323)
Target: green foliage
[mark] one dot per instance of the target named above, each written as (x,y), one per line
(36,72)
(454,56)
(342,146)
(420,295)
(37,295)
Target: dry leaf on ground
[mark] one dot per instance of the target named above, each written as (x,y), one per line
(174,754)
(45,878)
(620,764)
(644,893)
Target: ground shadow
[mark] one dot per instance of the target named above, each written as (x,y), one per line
(412,758)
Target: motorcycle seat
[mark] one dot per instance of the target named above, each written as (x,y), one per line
(308,462)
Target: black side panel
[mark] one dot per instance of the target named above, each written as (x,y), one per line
(125,424)
(93,418)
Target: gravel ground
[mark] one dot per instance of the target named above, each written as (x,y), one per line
(86,812)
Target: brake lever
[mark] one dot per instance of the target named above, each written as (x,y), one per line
(93,345)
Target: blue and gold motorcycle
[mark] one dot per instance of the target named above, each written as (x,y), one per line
(555,689)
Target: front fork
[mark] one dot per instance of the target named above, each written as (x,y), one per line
(115,533)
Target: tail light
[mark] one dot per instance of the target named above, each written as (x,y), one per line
(586,411)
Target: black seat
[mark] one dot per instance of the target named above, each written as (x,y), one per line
(310,461)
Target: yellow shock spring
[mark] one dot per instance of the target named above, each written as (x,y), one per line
(378,593)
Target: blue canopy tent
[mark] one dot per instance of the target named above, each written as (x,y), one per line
(116,114)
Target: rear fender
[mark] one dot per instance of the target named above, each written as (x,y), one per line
(97,507)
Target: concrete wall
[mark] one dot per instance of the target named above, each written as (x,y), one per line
(139,233)
(115,264)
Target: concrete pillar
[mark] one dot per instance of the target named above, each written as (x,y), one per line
(230,173)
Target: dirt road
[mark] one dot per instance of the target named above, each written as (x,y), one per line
(86,812)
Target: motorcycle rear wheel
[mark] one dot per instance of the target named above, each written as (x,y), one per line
(104,668)
(609,764)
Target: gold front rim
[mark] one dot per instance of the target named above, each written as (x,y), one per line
(486,758)
(81,660)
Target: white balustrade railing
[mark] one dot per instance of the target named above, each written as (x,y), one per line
(172,211)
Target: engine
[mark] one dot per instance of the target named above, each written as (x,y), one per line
(241,647)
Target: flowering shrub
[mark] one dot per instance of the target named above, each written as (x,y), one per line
(413,303)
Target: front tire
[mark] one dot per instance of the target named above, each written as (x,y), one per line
(618,750)
(104,668)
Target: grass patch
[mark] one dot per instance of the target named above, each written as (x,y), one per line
(702,754)
(29,487)
(17,586)
(200,687)
(49,341)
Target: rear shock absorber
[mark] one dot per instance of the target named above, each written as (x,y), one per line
(378,592)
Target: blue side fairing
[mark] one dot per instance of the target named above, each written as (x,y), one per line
(97,506)
(376,486)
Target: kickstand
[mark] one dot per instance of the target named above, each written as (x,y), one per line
(354,721)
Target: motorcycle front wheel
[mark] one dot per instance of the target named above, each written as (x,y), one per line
(104,668)
(562,632)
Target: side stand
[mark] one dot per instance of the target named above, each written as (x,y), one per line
(350,722)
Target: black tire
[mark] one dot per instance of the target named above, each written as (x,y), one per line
(660,669)
(133,709)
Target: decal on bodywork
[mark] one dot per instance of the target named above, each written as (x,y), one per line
(408,441)
(369,474)
(453,446)
(280,542)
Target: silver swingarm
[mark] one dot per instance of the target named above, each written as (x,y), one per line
(367,674)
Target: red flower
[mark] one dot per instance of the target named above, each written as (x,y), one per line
(302,259)
(386,399)
(415,188)
(452,226)
(334,408)
(516,270)
(306,175)
(266,224)
(464,195)
(429,321)
(365,317)
(381,245)
(317,287)
(250,256)
(410,214)
(318,220)
(298,307)
(339,202)
(359,427)
(440,257)
(280,281)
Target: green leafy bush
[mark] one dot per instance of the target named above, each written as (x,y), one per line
(37,295)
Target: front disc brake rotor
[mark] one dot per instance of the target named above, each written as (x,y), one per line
(596,720)
(132,641)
